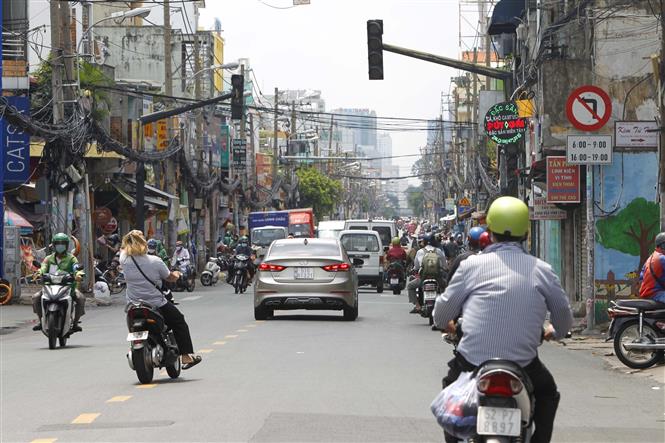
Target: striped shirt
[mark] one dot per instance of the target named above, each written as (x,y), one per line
(503,295)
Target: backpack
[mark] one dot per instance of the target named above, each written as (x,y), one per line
(431,265)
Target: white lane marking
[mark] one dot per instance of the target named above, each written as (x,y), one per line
(383,303)
(191,297)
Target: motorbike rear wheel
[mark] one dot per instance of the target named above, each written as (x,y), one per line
(191,284)
(627,333)
(52,325)
(142,366)
(174,369)
(62,341)
(206,279)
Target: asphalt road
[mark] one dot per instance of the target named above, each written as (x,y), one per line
(300,377)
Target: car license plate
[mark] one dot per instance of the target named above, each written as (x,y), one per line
(303,273)
(140,335)
(499,421)
(394,281)
(429,295)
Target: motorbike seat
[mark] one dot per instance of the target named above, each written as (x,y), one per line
(641,304)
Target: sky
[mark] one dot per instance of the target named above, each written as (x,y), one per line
(323,46)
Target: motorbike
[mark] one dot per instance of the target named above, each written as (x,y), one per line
(429,290)
(57,307)
(152,343)
(240,270)
(396,278)
(187,280)
(114,277)
(506,400)
(212,271)
(638,331)
(101,289)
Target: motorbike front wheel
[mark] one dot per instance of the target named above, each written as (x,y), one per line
(174,369)
(52,325)
(628,333)
(142,364)
(191,284)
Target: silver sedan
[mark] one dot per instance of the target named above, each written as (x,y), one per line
(310,273)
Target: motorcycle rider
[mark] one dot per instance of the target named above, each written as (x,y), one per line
(652,276)
(504,295)
(61,260)
(243,248)
(474,248)
(155,247)
(418,262)
(396,252)
(404,241)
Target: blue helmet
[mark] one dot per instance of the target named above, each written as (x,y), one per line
(474,235)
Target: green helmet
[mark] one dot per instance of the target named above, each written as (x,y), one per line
(60,238)
(395,241)
(243,239)
(508,216)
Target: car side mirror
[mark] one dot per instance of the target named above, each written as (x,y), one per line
(358,262)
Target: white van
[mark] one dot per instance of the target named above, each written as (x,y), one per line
(387,229)
(365,245)
(329,229)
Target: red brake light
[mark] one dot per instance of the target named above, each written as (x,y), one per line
(270,267)
(500,384)
(337,267)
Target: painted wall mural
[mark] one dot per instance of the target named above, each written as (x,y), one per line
(626,222)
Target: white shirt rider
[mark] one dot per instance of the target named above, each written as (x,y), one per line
(181,253)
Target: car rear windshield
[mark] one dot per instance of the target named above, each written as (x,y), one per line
(329,233)
(263,237)
(384,233)
(299,249)
(360,243)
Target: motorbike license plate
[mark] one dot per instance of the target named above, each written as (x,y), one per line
(394,281)
(499,421)
(303,273)
(140,335)
(430,295)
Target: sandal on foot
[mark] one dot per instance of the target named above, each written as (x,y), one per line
(196,359)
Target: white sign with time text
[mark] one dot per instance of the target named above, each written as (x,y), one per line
(589,149)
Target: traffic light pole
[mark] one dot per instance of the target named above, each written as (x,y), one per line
(150,118)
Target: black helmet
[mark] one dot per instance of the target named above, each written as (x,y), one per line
(660,240)
(427,239)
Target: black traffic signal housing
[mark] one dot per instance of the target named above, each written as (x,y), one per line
(375,49)
(237,101)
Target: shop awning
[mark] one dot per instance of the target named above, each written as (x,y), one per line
(152,189)
(146,198)
(505,17)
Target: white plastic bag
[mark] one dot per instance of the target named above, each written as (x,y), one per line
(456,407)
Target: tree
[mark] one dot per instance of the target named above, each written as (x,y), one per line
(415,199)
(318,191)
(631,230)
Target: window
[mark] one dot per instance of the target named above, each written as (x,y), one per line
(360,243)
(384,232)
(263,237)
(300,249)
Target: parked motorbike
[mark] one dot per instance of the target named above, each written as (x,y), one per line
(638,331)
(240,273)
(57,307)
(506,400)
(187,280)
(212,271)
(429,290)
(152,343)
(114,277)
(396,277)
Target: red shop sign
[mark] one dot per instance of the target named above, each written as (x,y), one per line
(563,181)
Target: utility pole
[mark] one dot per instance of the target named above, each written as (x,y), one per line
(58,214)
(330,139)
(200,239)
(171,186)
(275,146)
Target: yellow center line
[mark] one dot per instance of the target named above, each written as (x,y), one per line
(85,419)
(205,351)
(119,398)
(230,336)
(44,440)
(250,326)
(260,321)
(242,330)
(219,343)
(148,386)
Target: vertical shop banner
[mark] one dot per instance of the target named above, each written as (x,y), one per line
(239,154)
(224,146)
(148,128)
(563,181)
(16,164)
(162,135)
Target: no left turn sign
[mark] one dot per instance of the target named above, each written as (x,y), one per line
(588,108)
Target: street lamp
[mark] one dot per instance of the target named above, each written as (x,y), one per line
(118,17)
(229,66)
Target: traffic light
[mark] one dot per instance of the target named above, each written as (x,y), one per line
(375,49)
(237,101)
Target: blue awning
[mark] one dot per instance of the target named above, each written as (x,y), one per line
(505,17)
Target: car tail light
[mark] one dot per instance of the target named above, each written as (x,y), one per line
(337,267)
(270,267)
(501,384)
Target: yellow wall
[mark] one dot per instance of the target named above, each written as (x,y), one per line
(218,52)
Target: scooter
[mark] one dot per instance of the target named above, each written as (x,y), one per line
(240,270)
(506,400)
(429,290)
(186,281)
(638,331)
(396,278)
(114,277)
(211,273)
(152,343)
(57,307)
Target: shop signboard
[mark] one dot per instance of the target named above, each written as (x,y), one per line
(639,134)
(239,154)
(503,123)
(16,164)
(563,181)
